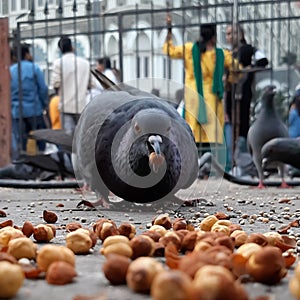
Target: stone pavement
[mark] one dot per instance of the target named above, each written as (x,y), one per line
(240,202)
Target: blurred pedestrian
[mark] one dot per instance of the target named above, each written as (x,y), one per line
(155,92)
(104,65)
(294,116)
(71,76)
(204,67)
(248,57)
(29,99)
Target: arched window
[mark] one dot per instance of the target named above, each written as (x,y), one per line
(143,56)
(112,51)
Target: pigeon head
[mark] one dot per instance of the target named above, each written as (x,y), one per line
(269,93)
(151,121)
(152,127)
(267,99)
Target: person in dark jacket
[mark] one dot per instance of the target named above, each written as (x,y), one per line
(238,95)
(29,98)
(294,116)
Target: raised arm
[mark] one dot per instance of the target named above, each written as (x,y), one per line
(169,49)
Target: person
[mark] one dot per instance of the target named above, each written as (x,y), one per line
(71,77)
(104,65)
(155,92)
(294,116)
(248,56)
(204,68)
(54,113)
(28,100)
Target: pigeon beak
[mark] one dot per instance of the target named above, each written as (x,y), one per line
(156,159)
(155,141)
(156,147)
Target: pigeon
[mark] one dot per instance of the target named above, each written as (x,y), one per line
(39,166)
(284,150)
(56,136)
(135,145)
(209,158)
(267,126)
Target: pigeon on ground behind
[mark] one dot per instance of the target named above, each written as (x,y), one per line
(267,126)
(135,145)
(55,136)
(285,150)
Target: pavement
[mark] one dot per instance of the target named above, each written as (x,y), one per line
(240,202)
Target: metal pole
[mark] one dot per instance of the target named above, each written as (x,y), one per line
(152,46)
(120,24)
(74,10)
(138,59)
(5,112)
(20,92)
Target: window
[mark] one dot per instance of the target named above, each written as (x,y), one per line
(24,4)
(138,67)
(146,66)
(121,2)
(40,2)
(142,66)
(4,7)
(13,5)
(167,68)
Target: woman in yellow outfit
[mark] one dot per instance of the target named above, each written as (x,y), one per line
(204,68)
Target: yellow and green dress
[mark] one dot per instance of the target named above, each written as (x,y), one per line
(204,110)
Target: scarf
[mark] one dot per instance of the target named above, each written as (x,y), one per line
(217,87)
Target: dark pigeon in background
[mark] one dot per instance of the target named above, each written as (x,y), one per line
(55,136)
(266,127)
(284,150)
(135,145)
(43,167)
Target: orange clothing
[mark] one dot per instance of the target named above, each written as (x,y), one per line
(54,113)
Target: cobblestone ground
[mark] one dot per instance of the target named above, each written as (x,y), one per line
(240,202)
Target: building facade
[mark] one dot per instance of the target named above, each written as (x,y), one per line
(132,33)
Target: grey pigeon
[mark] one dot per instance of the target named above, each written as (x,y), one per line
(267,126)
(285,150)
(135,145)
(209,158)
(55,136)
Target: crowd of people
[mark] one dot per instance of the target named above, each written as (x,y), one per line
(33,107)
(216,97)
(63,106)
(219,89)
(28,114)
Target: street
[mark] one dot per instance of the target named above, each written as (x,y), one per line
(241,203)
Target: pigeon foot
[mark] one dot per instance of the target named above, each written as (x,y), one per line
(83,188)
(100,202)
(261,185)
(284,185)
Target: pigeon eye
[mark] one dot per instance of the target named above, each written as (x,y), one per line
(137,128)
